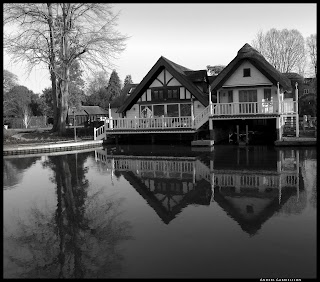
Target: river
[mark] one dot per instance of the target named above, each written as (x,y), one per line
(161,211)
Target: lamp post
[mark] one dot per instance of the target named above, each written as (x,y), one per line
(74,123)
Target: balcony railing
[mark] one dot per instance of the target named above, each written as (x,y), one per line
(245,108)
(218,109)
(149,123)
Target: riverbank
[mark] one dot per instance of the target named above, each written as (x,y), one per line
(22,141)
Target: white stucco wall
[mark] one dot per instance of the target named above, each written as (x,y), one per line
(256,78)
(134,111)
(114,114)
(198,108)
(174,82)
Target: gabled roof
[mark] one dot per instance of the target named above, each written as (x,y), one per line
(88,110)
(252,55)
(125,92)
(94,110)
(179,72)
(231,201)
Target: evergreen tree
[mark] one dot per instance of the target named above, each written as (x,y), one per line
(127,80)
(114,86)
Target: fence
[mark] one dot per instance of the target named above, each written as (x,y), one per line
(35,122)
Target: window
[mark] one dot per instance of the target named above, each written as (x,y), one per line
(246,72)
(158,110)
(157,95)
(146,111)
(164,94)
(230,96)
(185,110)
(247,95)
(172,110)
(267,94)
(305,91)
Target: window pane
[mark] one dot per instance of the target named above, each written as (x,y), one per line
(146,111)
(160,95)
(246,72)
(169,94)
(267,94)
(158,110)
(247,95)
(185,110)
(175,94)
(172,110)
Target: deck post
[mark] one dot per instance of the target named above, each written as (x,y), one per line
(192,113)
(238,139)
(110,123)
(297,110)
(278,94)
(211,130)
(247,134)
(94,134)
(210,100)
(278,128)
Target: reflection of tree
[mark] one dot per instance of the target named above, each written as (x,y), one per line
(13,168)
(78,241)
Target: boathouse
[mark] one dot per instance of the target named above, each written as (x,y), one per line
(248,98)
(252,96)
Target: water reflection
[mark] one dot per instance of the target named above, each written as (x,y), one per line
(13,170)
(250,184)
(78,239)
(72,215)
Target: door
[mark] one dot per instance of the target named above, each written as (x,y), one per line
(248,101)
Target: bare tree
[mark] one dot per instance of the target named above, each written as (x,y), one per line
(312,51)
(9,80)
(284,49)
(26,115)
(214,70)
(57,34)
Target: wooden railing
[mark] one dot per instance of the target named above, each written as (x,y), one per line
(217,109)
(186,169)
(246,108)
(99,133)
(150,123)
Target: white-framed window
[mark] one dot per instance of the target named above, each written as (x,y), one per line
(305,91)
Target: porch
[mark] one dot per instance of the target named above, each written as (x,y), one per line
(188,124)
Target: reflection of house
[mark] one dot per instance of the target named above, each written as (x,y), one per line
(249,189)
(248,94)
(85,113)
(167,184)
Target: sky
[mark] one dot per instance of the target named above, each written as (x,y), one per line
(191,35)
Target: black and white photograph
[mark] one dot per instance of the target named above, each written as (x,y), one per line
(160,141)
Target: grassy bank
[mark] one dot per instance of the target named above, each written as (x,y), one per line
(26,136)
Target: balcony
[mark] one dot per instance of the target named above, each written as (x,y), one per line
(156,123)
(253,108)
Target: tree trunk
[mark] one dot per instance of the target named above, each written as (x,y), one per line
(64,79)
(63,106)
(54,101)
(52,68)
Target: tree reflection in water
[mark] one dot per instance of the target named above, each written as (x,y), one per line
(78,240)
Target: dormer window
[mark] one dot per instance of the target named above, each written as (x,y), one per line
(246,72)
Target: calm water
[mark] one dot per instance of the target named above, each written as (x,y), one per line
(161,211)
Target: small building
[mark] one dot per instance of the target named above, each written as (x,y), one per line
(85,114)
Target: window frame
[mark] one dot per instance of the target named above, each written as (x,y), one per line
(247,72)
